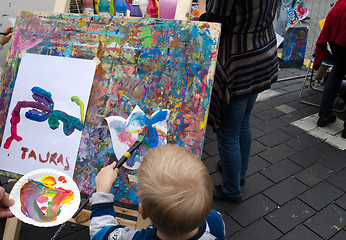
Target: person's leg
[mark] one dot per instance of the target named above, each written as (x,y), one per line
(280,27)
(229,144)
(333,82)
(245,136)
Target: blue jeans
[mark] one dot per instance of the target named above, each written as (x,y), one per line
(282,16)
(334,80)
(234,143)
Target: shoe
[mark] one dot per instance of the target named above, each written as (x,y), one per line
(219,168)
(218,194)
(343,134)
(322,123)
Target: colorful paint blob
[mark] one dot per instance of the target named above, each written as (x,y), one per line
(41,110)
(42,201)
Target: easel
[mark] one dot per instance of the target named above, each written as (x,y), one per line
(13,225)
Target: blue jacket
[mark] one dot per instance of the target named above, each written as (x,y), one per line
(103,225)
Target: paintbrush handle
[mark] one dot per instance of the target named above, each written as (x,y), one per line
(123,159)
(83,205)
(2,33)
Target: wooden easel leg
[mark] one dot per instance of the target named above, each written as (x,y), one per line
(12,229)
(142,223)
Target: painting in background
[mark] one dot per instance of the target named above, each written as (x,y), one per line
(294,47)
(153,63)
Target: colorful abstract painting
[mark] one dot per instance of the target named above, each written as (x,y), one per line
(155,64)
(294,47)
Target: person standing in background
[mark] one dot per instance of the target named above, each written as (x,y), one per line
(334,33)
(247,65)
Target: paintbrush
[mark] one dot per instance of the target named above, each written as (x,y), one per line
(138,142)
(2,33)
(122,160)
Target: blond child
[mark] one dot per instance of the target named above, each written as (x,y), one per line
(175,192)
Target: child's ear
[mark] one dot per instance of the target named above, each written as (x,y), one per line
(142,211)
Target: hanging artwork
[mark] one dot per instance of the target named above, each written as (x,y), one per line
(294,47)
(164,67)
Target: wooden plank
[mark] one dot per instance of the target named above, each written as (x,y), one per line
(12,229)
(183,10)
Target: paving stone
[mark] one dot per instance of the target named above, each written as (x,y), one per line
(327,222)
(290,215)
(254,184)
(341,235)
(274,138)
(211,148)
(325,149)
(204,155)
(260,229)
(256,133)
(300,232)
(231,225)
(313,174)
(339,180)
(321,195)
(251,209)
(271,125)
(256,164)
(302,142)
(256,147)
(336,161)
(293,130)
(341,202)
(210,134)
(211,163)
(269,114)
(260,106)
(277,153)
(281,170)
(306,157)
(285,190)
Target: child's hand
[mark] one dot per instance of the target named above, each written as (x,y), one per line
(105,178)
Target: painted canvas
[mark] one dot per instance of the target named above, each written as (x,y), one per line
(155,64)
(294,47)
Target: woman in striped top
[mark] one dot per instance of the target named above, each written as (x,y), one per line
(247,65)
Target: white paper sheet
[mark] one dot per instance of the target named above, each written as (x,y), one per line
(63,78)
(124,132)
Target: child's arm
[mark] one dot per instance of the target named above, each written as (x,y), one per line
(102,218)
(103,213)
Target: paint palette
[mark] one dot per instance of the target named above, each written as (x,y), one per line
(45,198)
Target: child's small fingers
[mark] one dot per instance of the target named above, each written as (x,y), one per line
(113,164)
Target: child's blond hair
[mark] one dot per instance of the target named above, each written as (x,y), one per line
(175,189)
